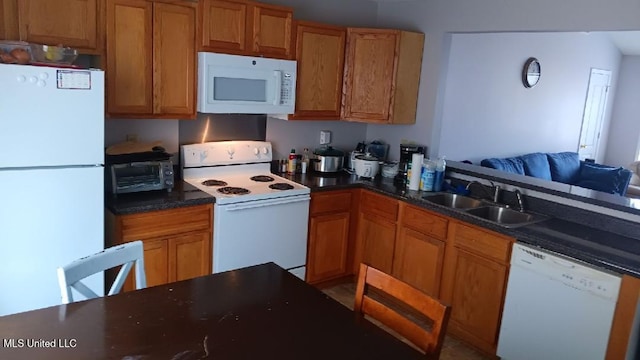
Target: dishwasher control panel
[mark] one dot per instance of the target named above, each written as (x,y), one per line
(571,272)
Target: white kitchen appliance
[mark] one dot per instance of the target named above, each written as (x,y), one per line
(245,84)
(258,216)
(52,176)
(556,308)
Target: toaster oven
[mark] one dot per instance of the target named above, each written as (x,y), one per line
(141,176)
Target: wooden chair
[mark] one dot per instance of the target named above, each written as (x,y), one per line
(430,342)
(126,255)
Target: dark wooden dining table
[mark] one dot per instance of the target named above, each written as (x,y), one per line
(259,312)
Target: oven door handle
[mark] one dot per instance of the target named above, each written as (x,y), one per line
(262,203)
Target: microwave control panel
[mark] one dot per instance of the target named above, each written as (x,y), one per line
(287,89)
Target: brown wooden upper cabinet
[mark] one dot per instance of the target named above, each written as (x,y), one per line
(319,50)
(382,75)
(74,23)
(151,59)
(245,28)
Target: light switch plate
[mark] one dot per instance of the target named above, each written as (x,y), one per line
(325,137)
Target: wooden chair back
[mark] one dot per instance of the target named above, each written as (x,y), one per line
(127,255)
(429,341)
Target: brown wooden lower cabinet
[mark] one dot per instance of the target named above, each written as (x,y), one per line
(177,242)
(419,251)
(418,260)
(328,246)
(378,237)
(330,229)
(623,318)
(474,283)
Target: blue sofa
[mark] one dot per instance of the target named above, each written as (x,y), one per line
(565,167)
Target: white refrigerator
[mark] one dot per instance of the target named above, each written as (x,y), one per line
(51,180)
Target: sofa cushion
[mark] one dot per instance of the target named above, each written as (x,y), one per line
(512,165)
(604,178)
(536,165)
(564,166)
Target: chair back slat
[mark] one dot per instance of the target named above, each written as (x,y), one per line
(128,255)
(429,341)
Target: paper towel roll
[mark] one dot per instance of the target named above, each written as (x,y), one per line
(416,170)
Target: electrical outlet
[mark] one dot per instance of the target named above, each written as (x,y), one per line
(132,137)
(325,137)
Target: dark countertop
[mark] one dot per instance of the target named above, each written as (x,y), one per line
(594,238)
(181,195)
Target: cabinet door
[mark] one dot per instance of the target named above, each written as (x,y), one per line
(328,246)
(156,256)
(223,26)
(418,260)
(174,60)
(271,30)
(67,22)
(369,74)
(477,299)
(190,256)
(320,54)
(378,237)
(129,57)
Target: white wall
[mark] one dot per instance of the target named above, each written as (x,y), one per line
(624,132)
(116,131)
(285,135)
(487,112)
(437,18)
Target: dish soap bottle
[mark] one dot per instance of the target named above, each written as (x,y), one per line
(441,165)
(292,162)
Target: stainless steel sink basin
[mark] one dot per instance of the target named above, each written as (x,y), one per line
(454,201)
(504,216)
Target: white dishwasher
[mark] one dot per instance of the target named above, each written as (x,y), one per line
(556,308)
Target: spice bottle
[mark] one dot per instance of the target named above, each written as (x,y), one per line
(292,162)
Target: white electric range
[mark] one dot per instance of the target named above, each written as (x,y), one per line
(258,216)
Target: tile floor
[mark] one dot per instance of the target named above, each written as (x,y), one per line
(452,349)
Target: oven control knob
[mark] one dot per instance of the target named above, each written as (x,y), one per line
(203,155)
(256,151)
(265,150)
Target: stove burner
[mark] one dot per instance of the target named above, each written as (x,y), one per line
(262,178)
(230,190)
(214,183)
(281,186)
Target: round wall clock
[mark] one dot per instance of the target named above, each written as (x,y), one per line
(531,72)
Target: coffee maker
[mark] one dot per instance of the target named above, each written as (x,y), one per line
(406,155)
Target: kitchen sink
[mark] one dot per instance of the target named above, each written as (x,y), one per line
(504,216)
(454,201)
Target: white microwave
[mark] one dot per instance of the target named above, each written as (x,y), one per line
(234,84)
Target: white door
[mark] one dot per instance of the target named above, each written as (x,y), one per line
(594,110)
(48,218)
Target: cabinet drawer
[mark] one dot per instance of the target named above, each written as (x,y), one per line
(380,205)
(481,242)
(166,222)
(334,201)
(425,222)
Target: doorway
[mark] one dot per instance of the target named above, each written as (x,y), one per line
(594,111)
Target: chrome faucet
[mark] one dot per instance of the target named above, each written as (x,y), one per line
(520,201)
(495,196)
